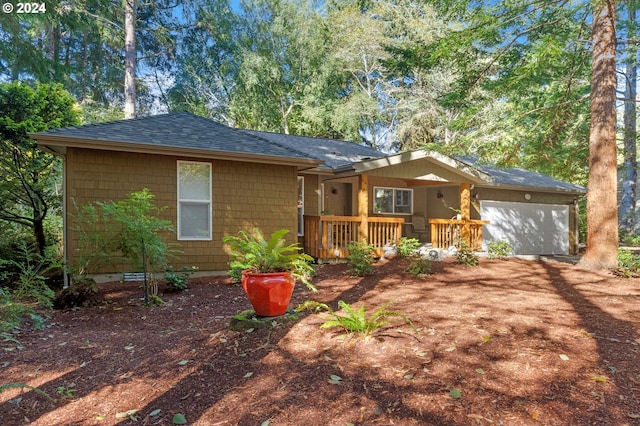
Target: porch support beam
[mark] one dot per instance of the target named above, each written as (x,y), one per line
(465,210)
(363,206)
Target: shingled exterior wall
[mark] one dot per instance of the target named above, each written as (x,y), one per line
(244,196)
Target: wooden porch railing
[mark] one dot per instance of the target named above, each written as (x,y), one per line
(451,232)
(327,237)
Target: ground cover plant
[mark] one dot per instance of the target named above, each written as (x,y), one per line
(511,342)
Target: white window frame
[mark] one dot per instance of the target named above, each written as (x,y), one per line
(395,199)
(301,207)
(208,203)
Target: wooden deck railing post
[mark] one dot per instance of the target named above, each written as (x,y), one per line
(363,206)
(465,209)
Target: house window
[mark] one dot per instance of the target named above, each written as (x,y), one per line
(392,200)
(194,200)
(300,205)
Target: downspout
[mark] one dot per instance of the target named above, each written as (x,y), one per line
(65,273)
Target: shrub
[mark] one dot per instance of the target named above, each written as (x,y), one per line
(235,272)
(631,239)
(129,229)
(628,263)
(419,267)
(30,286)
(177,281)
(32,282)
(11,313)
(499,249)
(361,258)
(407,246)
(466,256)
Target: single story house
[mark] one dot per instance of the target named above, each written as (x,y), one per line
(215,180)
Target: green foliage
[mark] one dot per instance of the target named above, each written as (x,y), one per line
(631,239)
(466,256)
(155,300)
(259,255)
(407,246)
(30,175)
(499,249)
(5,386)
(361,258)
(179,419)
(11,313)
(628,263)
(177,281)
(29,287)
(235,273)
(312,306)
(129,229)
(356,320)
(419,267)
(66,392)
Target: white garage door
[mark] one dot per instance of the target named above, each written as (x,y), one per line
(530,228)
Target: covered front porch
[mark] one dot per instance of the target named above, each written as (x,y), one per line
(327,236)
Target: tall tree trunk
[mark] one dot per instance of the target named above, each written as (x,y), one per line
(130,59)
(602,210)
(628,202)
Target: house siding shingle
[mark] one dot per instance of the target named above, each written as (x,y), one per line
(244,196)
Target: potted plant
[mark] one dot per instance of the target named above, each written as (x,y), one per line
(270,268)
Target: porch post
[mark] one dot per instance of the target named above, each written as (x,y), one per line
(363,206)
(465,210)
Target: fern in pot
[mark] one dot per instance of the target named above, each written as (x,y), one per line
(270,268)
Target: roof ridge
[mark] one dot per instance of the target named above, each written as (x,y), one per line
(123,120)
(274,142)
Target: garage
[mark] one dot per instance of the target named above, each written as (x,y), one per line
(530,228)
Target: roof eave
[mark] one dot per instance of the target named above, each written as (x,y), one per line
(53,143)
(576,192)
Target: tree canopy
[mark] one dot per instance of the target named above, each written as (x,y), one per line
(30,178)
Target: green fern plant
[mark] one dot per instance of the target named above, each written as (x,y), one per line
(5,386)
(356,321)
(259,255)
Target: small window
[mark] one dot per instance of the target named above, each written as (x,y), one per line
(194,200)
(392,200)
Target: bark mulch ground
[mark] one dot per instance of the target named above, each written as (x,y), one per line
(515,342)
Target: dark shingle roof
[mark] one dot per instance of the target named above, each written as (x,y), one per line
(179,130)
(334,153)
(521,177)
(189,131)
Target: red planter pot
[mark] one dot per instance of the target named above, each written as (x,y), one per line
(269,293)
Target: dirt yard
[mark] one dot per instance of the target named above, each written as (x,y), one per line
(511,342)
